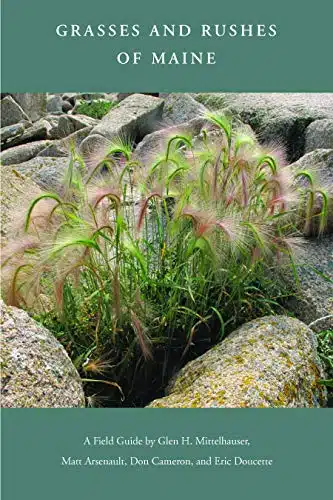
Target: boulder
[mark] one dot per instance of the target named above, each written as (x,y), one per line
(50,177)
(36,370)
(11,112)
(313,302)
(70,124)
(53,122)
(120,96)
(55,149)
(90,96)
(24,152)
(65,125)
(180,108)
(54,104)
(66,106)
(12,131)
(34,105)
(267,363)
(133,118)
(47,172)
(320,163)
(16,190)
(319,134)
(37,132)
(70,97)
(62,146)
(155,143)
(278,118)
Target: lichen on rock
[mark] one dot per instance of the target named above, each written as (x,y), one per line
(269,362)
(36,371)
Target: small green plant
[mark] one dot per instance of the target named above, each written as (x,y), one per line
(152,264)
(325,349)
(95,109)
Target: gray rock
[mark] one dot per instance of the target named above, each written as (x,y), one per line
(62,147)
(70,97)
(46,172)
(113,97)
(134,117)
(91,96)
(319,134)
(53,122)
(155,143)
(267,363)
(180,108)
(66,106)
(11,112)
(314,299)
(120,96)
(37,132)
(92,144)
(278,118)
(11,131)
(78,122)
(55,149)
(22,153)
(77,138)
(320,163)
(61,127)
(16,190)
(54,104)
(36,370)
(50,177)
(68,124)
(33,104)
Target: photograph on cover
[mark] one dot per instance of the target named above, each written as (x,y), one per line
(167,250)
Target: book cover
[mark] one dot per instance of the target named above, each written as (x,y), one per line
(166,249)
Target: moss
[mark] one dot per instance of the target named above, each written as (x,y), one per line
(239,359)
(282,398)
(290,391)
(277,403)
(247,380)
(287,358)
(95,109)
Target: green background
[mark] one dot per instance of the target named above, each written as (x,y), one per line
(299,440)
(298,59)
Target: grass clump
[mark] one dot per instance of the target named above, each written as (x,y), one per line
(152,264)
(95,109)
